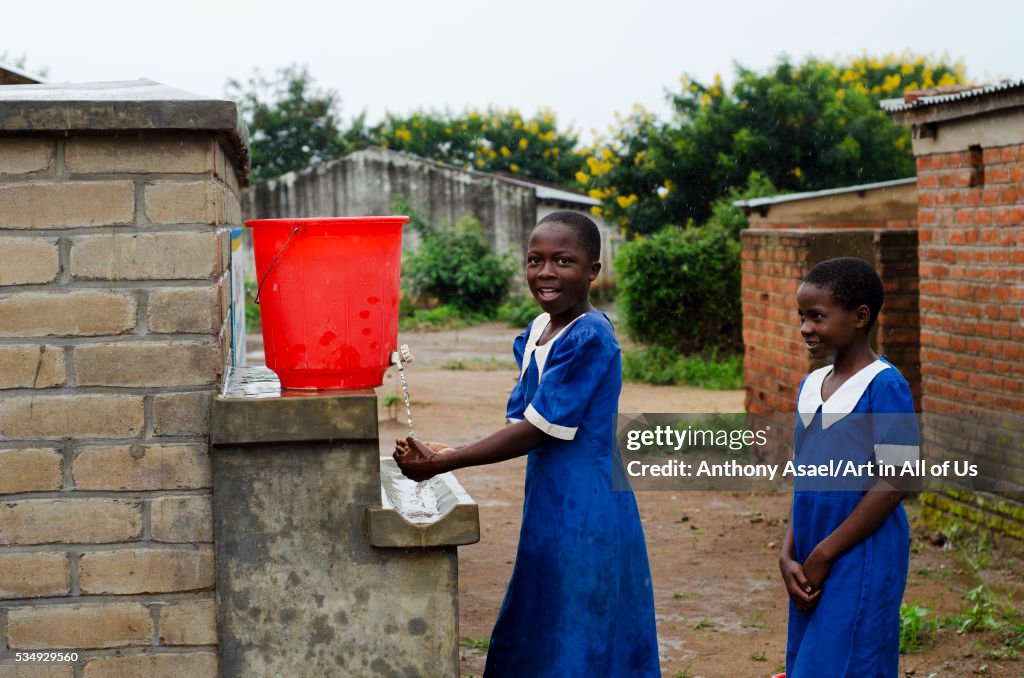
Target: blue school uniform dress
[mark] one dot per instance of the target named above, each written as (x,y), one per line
(580,601)
(853,632)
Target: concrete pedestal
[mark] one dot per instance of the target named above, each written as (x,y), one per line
(300,589)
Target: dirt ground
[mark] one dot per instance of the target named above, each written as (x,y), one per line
(720,603)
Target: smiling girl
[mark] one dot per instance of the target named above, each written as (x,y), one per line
(845,555)
(580,600)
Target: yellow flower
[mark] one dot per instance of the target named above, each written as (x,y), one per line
(841,94)
(669,184)
(546,153)
(505,152)
(555,151)
(891,82)
(535,128)
(517,123)
(605,154)
(796,172)
(514,167)
(705,100)
(582,177)
(480,162)
(523,143)
(403,134)
(596,193)
(639,157)
(596,211)
(625,201)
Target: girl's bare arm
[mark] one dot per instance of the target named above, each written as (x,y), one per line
(874,507)
(419,462)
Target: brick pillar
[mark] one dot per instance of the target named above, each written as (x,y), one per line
(113,336)
(970,175)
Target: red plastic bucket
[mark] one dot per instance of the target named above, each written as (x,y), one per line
(328,295)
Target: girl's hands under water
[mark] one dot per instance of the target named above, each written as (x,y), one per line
(801,591)
(417,460)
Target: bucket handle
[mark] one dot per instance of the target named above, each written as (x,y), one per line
(274,263)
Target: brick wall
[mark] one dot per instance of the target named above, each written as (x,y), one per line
(972,279)
(972,323)
(113,334)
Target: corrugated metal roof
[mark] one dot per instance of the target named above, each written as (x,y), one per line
(546,192)
(897,105)
(791,197)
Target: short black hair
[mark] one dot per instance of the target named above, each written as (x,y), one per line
(584,226)
(851,281)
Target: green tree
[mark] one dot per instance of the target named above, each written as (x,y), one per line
(292,123)
(495,140)
(800,127)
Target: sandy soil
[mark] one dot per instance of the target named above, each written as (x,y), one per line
(721,607)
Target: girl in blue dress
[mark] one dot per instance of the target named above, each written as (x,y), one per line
(845,555)
(580,601)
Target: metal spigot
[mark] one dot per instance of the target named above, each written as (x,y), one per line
(402,355)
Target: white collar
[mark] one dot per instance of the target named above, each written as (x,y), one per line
(842,401)
(540,323)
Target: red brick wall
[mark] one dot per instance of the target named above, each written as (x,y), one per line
(972,280)
(899,323)
(774,358)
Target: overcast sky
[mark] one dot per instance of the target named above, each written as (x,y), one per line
(585,60)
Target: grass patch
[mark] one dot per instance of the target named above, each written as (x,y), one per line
(444,317)
(661,366)
(479,365)
(755,621)
(915,628)
(703,623)
(759,656)
(475,643)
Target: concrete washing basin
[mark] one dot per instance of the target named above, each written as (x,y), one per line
(329,561)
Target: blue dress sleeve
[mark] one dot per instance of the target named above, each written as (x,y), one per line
(517,399)
(573,372)
(896,434)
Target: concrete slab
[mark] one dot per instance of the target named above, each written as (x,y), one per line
(122,106)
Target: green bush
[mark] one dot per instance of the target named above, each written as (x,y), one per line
(456,266)
(519,311)
(664,366)
(680,289)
